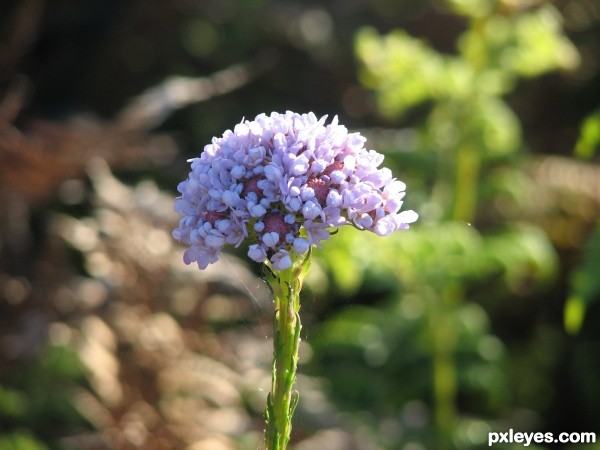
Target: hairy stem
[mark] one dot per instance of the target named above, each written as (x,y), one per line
(282,399)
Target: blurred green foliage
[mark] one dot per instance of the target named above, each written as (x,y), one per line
(40,397)
(589,139)
(20,441)
(585,284)
(432,340)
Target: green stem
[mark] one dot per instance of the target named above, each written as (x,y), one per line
(444,382)
(282,400)
(444,366)
(467,179)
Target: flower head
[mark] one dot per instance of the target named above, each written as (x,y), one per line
(281,183)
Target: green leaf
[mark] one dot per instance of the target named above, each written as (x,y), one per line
(403,70)
(12,403)
(523,254)
(472,8)
(574,314)
(20,441)
(585,284)
(589,138)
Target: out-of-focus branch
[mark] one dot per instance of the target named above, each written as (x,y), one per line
(23,31)
(156,104)
(35,161)
(13,100)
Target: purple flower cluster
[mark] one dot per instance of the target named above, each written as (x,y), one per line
(281,183)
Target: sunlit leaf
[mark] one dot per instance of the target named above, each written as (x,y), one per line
(585,284)
(523,254)
(574,314)
(540,44)
(20,441)
(403,70)
(589,137)
(473,8)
